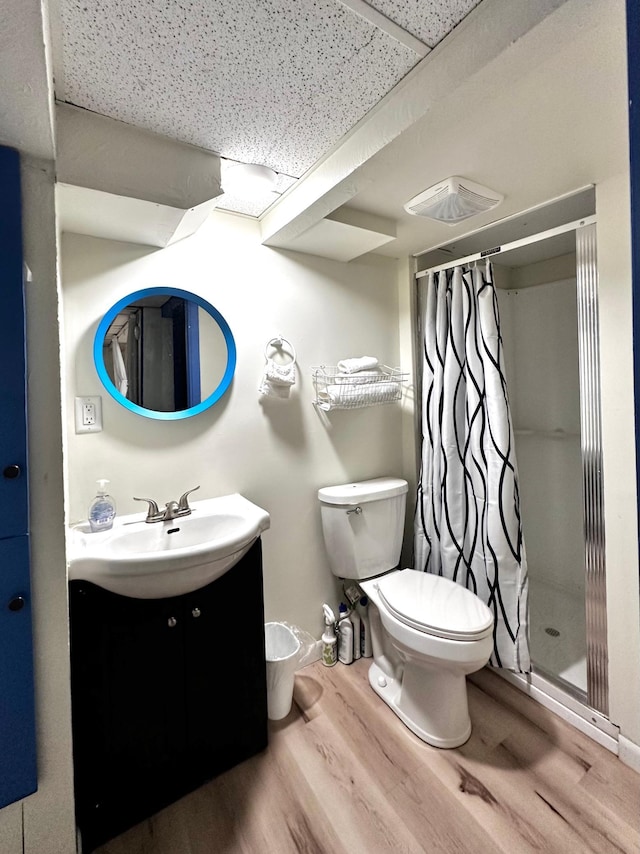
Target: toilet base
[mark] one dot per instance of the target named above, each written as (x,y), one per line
(390,689)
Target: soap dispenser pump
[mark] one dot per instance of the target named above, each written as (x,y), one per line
(102,511)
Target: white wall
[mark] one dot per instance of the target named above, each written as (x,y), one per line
(621,531)
(48,815)
(276,453)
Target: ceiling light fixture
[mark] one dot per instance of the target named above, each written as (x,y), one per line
(453,200)
(247,180)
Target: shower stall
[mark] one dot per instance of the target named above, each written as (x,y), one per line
(539,317)
(547,295)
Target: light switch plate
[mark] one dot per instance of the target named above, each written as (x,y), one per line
(88,414)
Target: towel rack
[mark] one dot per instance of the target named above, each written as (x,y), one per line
(279,342)
(337,390)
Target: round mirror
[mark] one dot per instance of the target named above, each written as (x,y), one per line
(164,353)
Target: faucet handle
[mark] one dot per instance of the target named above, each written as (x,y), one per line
(183,503)
(153,511)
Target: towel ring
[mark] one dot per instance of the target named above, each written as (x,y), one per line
(280,343)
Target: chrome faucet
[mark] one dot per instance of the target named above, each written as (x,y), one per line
(172,509)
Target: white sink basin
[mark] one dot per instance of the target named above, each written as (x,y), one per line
(160,559)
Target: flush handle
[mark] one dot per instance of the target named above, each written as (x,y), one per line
(357,510)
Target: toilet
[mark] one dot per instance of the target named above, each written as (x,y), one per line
(427,632)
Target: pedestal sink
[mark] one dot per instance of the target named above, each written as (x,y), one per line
(160,559)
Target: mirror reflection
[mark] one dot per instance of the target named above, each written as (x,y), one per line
(165,353)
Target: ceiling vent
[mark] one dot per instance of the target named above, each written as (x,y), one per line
(453,200)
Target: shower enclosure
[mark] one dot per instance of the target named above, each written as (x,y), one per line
(539,319)
(547,294)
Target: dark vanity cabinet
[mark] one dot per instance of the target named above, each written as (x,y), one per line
(167,693)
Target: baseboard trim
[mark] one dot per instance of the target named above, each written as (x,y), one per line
(629,753)
(597,727)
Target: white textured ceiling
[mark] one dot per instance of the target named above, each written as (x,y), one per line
(428,20)
(275,82)
(547,117)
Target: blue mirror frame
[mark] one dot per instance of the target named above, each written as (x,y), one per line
(215,395)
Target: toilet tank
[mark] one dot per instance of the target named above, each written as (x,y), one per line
(367,541)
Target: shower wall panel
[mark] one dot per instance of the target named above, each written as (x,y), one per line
(540,332)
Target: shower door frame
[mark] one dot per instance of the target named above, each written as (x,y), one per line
(590,708)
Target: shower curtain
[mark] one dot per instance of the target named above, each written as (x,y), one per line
(468,525)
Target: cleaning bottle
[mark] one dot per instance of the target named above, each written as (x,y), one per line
(354,616)
(365,628)
(102,510)
(345,635)
(329,640)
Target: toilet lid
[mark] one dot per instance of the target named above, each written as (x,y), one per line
(435,605)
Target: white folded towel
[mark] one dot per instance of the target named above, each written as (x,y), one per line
(270,389)
(280,374)
(354,395)
(362,363)
(358,378)
(278,379)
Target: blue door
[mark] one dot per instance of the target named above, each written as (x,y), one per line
(17,725)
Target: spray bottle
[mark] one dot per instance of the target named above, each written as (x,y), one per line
(354,616)
(365,628)
(345,635)
(329,640)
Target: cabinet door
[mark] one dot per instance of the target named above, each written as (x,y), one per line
(14,507)
(18,775)
(17,726)
(225,669)
(128,708)
(166,694)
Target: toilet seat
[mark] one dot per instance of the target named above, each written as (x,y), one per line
(434,605)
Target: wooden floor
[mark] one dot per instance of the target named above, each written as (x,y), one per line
(343,774)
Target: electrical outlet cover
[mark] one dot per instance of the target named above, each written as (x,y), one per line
(88,414)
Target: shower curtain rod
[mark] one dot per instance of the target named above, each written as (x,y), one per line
(515,244)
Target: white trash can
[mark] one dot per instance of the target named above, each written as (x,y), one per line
(282,648)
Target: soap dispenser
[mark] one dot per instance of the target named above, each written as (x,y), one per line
(102,511)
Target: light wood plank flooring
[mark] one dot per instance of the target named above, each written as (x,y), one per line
(343,774)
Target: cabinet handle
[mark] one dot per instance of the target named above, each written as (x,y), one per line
(196,612)
(10,472)
(17,603)
(171,622)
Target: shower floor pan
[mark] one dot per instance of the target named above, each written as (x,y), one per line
(557,632)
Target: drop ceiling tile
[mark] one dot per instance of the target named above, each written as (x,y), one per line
(250,207)
(230,77)
(258,205)
(339,104)
(428,20)
(284,182)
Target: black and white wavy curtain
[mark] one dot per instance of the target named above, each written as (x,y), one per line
(468,525)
